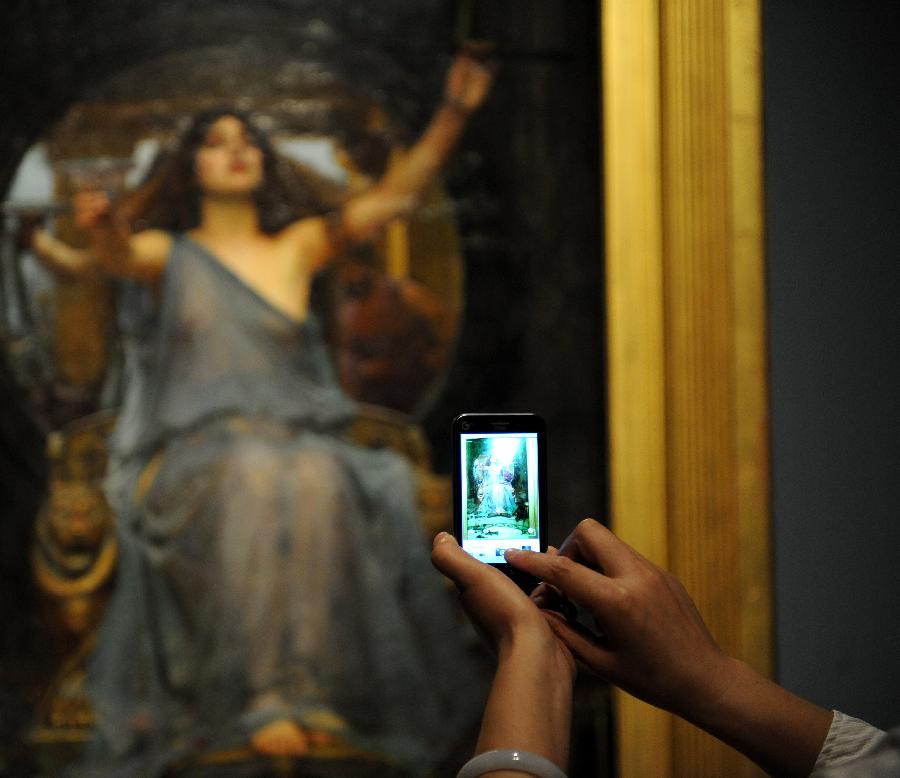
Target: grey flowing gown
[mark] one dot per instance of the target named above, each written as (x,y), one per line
(272,569)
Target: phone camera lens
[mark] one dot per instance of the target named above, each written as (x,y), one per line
(465,425)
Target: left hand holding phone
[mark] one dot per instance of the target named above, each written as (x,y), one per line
(530,703)
(497,606)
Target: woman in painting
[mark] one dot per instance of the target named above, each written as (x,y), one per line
(272,585)
(498,498)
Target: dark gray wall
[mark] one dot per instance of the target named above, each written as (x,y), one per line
(833,249)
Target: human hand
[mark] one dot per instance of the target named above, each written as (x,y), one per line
(91,207)
(470,76)
(651,640)
(498,607)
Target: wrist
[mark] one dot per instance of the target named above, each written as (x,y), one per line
(721,691)
(104,225)
(531,697)
(779,731)
(537,647)
(456,107)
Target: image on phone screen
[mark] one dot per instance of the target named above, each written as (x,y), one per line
(500,501)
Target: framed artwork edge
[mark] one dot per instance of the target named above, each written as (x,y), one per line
(686,334)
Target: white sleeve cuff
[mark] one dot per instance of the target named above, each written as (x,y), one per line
(847,739)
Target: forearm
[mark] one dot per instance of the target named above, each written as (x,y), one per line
(529,707)
(62,258)
(779,731)
(400,191)
(141,256)
(419,167)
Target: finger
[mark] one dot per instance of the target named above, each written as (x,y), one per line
(546,597)
(584,645)
(574,580)
(544,592)
(554,602)
(596,546)
(444,556)
(458,565)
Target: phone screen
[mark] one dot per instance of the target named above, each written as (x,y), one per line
(500,498)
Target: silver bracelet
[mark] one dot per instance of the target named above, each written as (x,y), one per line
(510,759)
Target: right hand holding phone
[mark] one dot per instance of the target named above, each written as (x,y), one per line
(651,640)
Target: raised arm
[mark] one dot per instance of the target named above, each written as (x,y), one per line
(116,250)
(400,190)
(652,642)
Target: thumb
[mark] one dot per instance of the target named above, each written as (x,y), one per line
(459,566)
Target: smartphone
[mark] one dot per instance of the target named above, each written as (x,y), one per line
(500,485)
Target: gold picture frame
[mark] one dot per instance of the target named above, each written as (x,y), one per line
(688,440)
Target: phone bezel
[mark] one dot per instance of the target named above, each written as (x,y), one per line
(501,422)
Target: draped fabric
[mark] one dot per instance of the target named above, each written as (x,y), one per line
(271,568)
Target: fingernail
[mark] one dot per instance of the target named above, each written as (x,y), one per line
(511,553)
(441,537)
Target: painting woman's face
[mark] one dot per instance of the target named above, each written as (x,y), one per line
(228,163)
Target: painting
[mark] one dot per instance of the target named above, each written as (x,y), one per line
(486,296)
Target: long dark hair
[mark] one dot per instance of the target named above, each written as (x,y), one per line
(169,199)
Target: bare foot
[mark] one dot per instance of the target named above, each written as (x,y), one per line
(321,726)
(282,737)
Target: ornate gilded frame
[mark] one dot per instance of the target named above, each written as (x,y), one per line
(682,138)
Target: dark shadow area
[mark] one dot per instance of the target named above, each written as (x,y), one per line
(532,336)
